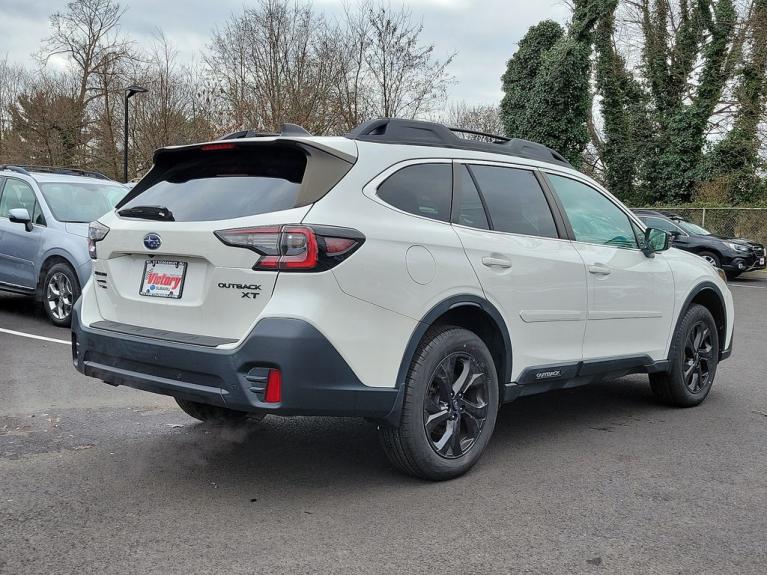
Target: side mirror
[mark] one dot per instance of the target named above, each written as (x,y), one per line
(656,240)
(675,235)
(21,216)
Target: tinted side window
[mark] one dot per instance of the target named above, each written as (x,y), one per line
(469,210)
(422,189)
(16,194)
(515,201)
(594,218)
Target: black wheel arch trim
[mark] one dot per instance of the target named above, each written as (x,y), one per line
(697,290)
(427,321)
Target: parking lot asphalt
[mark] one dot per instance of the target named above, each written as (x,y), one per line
(601,479)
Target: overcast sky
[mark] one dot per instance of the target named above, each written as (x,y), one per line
(484,33)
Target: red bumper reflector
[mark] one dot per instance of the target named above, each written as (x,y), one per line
(273,387)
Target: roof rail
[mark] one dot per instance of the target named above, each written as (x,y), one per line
(26,169)
(17,169)
(421,133)
(285,130)
(499,139)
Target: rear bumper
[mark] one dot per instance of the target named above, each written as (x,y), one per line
(315,378)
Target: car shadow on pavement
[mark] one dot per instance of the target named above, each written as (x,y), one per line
(20,305)
(303,451)
(750,277)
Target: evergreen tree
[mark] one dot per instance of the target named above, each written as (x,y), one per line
(734,160)
(547,82)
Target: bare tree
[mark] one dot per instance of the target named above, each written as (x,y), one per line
(407,80)
(14,79)
(276,62)
(479,118)
(172,112)
(86,34)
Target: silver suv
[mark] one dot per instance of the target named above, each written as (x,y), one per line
(44,217)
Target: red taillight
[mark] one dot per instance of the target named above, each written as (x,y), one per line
(264,240)
(339,246)
(273,393)
(213,147)
(96,232)
(294,247)
(299,248)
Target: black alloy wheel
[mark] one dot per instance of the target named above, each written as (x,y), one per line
(698,351)
(455,409)
(449,409)
(693,360)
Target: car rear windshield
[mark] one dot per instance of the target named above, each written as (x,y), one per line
(81,202)
(219,183)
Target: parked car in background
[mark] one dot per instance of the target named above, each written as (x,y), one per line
(44,217)
(734,255)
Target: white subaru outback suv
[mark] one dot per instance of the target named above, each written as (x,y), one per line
(400,273)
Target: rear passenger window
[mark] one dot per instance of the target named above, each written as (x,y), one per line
(469,210)
(421,189)
(515,201)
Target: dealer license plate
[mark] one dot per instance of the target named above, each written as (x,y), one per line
(163,278)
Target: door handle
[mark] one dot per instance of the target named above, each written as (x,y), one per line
(496,262)
(599,269)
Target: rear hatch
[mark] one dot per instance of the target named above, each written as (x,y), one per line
(167,261)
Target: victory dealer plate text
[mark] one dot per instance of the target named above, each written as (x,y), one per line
(163,278)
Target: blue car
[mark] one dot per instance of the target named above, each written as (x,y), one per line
(44,217)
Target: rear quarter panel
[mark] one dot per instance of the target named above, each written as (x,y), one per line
(408,263)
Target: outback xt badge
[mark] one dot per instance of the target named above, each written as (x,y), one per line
(249,291)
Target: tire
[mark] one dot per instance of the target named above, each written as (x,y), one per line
(216,414)
(712,258)
(59,292)
(679,387)
(451,390)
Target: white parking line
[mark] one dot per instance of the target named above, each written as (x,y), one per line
(748,286)
(33,336)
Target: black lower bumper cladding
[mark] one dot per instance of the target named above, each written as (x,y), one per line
(315,378)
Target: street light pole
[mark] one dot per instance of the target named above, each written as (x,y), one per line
(129,92)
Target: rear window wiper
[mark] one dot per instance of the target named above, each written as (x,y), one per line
(148,213)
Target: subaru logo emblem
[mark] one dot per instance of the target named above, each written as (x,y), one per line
(152,241)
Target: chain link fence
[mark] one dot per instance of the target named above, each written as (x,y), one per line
(749,223)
